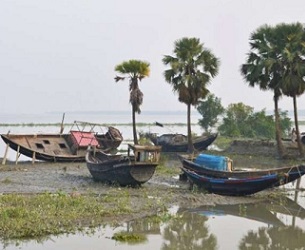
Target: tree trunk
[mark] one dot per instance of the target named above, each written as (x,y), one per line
(278,131)
(189,131)
(296,123)
(135,137)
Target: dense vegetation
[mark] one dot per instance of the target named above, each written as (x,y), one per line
(240,120)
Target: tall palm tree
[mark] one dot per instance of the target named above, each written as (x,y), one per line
(191,69)
(135,70)
(262,68)
(292,58)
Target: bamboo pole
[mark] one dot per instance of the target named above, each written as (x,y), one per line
(34,157)
(17,155)
(5,154)
(62,124)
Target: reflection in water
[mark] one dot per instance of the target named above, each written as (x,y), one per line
(188,231)
(277,234)
(274,238)
(281,237)
(276,224)
(149,225)
(257,212)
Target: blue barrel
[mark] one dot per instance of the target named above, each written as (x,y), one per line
(212,161)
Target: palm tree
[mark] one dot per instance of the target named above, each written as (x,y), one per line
(262,68)
(191,69)
(292,58)
(135,70)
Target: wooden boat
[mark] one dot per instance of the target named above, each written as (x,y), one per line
(179,143)
(222,167)
(133,169)
(240,186)
(112,139)
(63,147)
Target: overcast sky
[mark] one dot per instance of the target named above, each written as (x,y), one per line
(59,55)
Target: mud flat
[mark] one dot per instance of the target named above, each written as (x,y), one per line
(74,178)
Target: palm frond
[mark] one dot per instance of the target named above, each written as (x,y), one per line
(119,78)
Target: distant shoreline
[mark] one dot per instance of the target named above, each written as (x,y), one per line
(71,124)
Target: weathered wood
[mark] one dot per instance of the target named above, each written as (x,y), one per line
(17,155)
(5,154)
(34,157)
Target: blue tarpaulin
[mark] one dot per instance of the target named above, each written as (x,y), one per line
(212,161)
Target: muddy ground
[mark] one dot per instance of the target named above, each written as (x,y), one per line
(28,178)
(74,178)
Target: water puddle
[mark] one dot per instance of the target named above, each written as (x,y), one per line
(276,225)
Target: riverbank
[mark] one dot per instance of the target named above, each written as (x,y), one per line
(74,182)
(67,199)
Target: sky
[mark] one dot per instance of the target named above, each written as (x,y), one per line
(60,55)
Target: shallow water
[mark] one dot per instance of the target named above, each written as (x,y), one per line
(277,225)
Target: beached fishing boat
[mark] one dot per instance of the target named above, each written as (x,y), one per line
(239,186)
(222,167)
(179,143)
(63,147)
(133,169)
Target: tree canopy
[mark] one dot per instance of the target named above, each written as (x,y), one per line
(191,69)
(135,70)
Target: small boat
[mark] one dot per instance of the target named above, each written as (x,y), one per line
(133,169)
(112,139)
(240,186)
(222,167)
(63,147)
(179,143)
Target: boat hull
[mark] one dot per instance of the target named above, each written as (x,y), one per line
(129,170)
(69,147)
(291,173)
(123,174)
(169,144)
(23,144)
(236,187)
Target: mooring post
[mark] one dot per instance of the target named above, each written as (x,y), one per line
(34,157)
(5,154)
(17,155)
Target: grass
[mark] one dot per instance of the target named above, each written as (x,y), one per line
(129,237)
(223,142)
(40,215)
(29,216)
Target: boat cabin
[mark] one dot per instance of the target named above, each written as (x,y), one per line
(145,153)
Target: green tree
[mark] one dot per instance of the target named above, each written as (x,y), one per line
(262,125)
(285,123)
(292,61)
(191,69)
(210,110)
(135,70)
(235,121)
(262,69)
(241,121)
